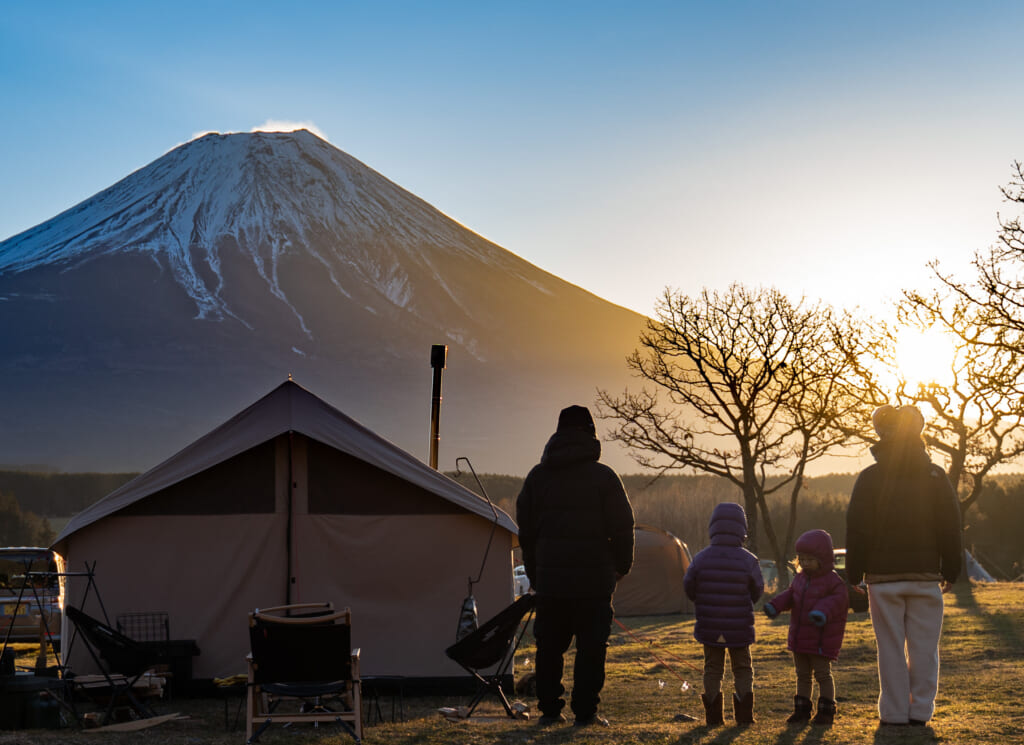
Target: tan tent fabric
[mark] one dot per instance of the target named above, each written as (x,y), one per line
(655,584)
(215,531)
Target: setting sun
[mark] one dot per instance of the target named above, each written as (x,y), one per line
(924,357)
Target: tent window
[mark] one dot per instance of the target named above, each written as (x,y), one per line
(243,484)
(340,484)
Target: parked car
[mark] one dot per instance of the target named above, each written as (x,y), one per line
(770,575)
(520,581)
(29,594)
(858,600)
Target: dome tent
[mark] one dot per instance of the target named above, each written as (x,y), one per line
(655,584)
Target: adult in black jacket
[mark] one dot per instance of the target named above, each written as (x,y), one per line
(903,538)
(576,533)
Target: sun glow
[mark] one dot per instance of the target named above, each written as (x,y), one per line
(925,357)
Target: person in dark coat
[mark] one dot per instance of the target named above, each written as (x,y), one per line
(819,602)
(576,533)
(903,538)
(724,581)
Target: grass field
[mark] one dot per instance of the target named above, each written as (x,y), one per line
(979,693)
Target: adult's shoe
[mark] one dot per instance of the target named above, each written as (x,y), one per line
(596,719)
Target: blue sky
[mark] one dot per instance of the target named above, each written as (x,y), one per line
(826,148)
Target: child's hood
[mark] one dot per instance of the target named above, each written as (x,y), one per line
(728,524)
(817,543)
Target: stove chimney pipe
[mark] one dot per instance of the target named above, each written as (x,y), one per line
(438,354)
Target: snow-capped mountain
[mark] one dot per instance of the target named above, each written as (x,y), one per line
(153,309)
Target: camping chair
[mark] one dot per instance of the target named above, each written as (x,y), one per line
(121,660)
(494,643)
(301,660)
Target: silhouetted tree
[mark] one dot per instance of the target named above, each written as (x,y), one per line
(974,405)
(19,528)
(754,386)
(975,408)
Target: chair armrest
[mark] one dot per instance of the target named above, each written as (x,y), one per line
(355,664)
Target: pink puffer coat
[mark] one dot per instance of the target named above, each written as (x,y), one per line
(821,590)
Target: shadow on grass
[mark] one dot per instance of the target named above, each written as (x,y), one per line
(721,735)
(890,733)
(807,734)
(1006,631)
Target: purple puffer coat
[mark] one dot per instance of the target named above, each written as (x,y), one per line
(822,590)
(724,581)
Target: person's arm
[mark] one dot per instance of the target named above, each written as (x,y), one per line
(756,584)
(836,603)
(951,547)
(857,529)
(526,520)
(690,579)
(783,601)
(620,523)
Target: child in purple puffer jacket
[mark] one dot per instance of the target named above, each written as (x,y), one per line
(819,600)
(724,581)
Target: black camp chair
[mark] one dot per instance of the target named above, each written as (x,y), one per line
(302,668)
(120,659)
(494,643)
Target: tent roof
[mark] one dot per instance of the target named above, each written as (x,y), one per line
(287,408)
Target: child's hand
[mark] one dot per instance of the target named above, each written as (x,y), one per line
(817,617)
(769,610)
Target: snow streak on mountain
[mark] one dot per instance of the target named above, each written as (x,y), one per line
(265,195)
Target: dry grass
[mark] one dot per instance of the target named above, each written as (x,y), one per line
(979,697)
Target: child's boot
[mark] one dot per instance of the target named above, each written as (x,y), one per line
(743,708)
(826,712)
(801,710)
(713,709)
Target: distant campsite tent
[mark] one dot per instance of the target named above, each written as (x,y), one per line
(976,571)
(655,584)
(215,531)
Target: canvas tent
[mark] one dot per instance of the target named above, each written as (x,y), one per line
(655,584)
(215,531)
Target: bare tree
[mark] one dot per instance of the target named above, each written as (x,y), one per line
(755,389)
(975,407)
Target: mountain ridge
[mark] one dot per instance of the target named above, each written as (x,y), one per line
(254,256)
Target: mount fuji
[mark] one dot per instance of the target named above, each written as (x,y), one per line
(144,316)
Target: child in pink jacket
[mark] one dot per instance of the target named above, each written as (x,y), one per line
(819,600)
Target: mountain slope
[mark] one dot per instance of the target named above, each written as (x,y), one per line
(195,284)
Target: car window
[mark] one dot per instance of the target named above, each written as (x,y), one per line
(22,568)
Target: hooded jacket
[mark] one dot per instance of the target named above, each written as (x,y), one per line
(575,520)
(904,517)
(724,581)
(822,590)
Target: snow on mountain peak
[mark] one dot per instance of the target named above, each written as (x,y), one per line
(264,196)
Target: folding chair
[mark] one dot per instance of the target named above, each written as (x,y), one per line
(302,668)
(494,643)
(121,660)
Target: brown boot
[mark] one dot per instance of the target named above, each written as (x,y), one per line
(743,708)
(713,710)
(826,712)
(801,710)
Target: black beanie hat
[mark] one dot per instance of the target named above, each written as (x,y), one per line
(575,417)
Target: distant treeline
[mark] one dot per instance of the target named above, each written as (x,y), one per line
(682,505)
(59,494)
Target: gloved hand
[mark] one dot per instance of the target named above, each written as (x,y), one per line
(769,610)
(817,617)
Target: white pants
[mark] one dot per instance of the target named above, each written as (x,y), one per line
(907,618)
